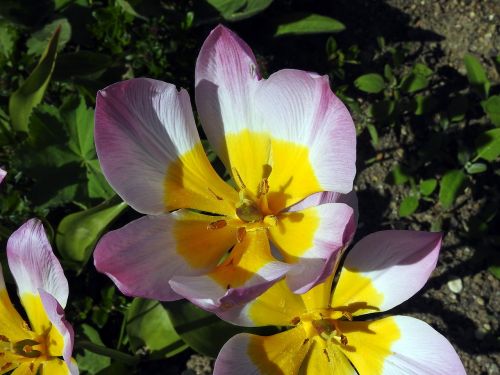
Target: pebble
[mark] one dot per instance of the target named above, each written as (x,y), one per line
(455,285)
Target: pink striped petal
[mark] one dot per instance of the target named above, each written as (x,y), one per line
(226,77)
(55,313)
(330,227)
(34,265)
(145,254)
(299,107)
(421,350)
(246,354)
(2,174)
(386,268)
(150,151)
(206,293)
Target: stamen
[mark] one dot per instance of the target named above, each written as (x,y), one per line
(248,211)
(4,338)
(271,220)
(347,315)
(25,348)
(326,354)
(343,340)
(217,224)
(295,320)
(305,341)
(240,182)
(6,366)
(219,198)
(263,187)
(240,236)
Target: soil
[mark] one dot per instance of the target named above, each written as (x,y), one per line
(462,299)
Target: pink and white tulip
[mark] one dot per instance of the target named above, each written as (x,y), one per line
(383,270)
(282,139)
(43,291)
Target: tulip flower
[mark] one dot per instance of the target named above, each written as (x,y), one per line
(46,343)
(332,333)
(216,243)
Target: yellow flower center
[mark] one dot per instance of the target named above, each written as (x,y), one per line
(252,212)
(12,354)
(324,323)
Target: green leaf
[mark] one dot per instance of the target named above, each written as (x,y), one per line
(127,8)
(492,109)
(475,168)
(31,91)
(149,326)
(371,83)
(78,232)
(372,130)
(39,39)
(408,206)
(422,70)
(301,24)
(236,10)
(89,361)
(451,186)
(477,75)
(424,104)
(413,83)
(488,145)
(495,271)
(382,110)
(427,187)
(8,38)
(399,175)
(202,331)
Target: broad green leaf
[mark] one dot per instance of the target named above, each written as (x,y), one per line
(451,186)
(477,75)
(227,7)
(39,39)
(408,206)
(371,83)
(413,83)
(79,121)
(8,37)
(202,331)
(492,109)
(422,70)
(251,8)
(398,175)
(488,145)
(149,326)
(427,187)
(475,168)
(300,24)
(78,232)
(89,361)
(31,91)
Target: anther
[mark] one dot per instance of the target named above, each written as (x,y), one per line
(240,235)
(4,338)
(305,341)
(347,315)
(295,320)
(343,340)
(217,224)
(263,187)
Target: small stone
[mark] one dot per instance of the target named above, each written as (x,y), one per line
(479,300)
(486,327)
(455,285)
